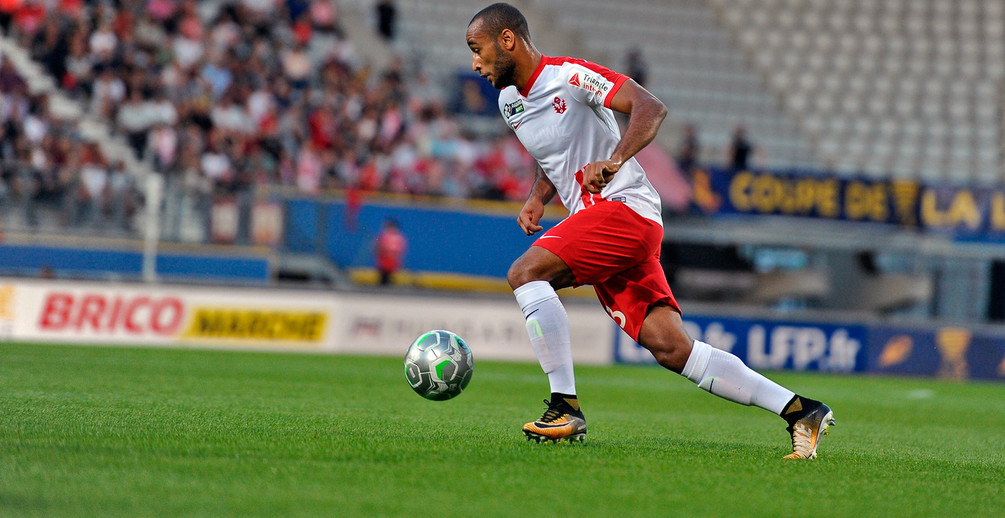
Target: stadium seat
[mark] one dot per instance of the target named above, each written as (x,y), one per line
(803,285)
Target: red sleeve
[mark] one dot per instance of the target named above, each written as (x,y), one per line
(617,86)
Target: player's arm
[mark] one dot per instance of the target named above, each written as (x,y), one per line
(533,210)
(645,115)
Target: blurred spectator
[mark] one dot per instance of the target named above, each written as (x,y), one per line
(636,66)
(690,147)
(134,119)
(7,10)
(29,17)
(93,195)
(10,81)
(740,150)
(108,91)
(390,251)
(324,17)
(387,14)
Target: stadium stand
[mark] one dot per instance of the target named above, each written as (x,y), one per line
(290,105)
(909,89)
(219,98)
(861,95)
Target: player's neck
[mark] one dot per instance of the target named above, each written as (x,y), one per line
(526,65)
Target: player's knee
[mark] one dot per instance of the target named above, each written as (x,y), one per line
(663,334)
(518,275)
(525,269)
(671,354)
(538,264)
(669,347)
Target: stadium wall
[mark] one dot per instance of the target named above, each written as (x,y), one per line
(384,323)
(466,239)
(125,261)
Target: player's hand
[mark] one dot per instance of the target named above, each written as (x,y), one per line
(530,215)
(597,175)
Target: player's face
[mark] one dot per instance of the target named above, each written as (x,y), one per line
(489,59)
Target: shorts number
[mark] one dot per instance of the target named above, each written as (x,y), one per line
(618,316)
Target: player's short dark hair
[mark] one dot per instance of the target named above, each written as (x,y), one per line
(501,15)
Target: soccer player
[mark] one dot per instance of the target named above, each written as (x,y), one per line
(561,110)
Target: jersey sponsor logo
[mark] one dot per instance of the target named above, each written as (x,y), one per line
(513,108)
(559,105)
(591,84)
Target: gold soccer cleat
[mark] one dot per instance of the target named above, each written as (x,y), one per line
(561,422)
(809,431)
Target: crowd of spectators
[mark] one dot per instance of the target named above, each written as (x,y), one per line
(222,97)
(47,173)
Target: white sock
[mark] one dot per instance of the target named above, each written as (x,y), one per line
(725,375)
(548,329)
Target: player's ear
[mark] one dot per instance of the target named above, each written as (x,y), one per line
(507,40)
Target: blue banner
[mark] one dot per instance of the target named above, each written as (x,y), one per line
(945,352)
(963,211)
(770,345)
(764,344)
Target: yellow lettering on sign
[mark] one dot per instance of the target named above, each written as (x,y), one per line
(256,325)
(905,199)
(998,211)
(827,199)
(866,201)
(765,192)
(768,194)
(962,210)
(804,196)
(739,191)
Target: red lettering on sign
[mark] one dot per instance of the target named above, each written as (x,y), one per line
(56,311)
(103,314)
(91,309)
(166,316)
(131,309)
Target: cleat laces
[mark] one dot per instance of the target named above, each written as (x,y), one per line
(801,440)
(552,414)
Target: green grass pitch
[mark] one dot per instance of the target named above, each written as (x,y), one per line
(107,431)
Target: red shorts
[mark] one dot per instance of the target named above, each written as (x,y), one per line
(612,247)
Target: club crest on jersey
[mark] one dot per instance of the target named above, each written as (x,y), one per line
(513,108)
(587,82)
(559,105)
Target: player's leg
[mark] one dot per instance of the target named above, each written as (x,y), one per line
(534,277)
(584,248)
(725,375)
(588,247)
(714,370)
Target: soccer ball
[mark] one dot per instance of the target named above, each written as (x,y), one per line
(438,365)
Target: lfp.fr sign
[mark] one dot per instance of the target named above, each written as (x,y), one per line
(770,345)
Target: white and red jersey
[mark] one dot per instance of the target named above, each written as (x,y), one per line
(564,119)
